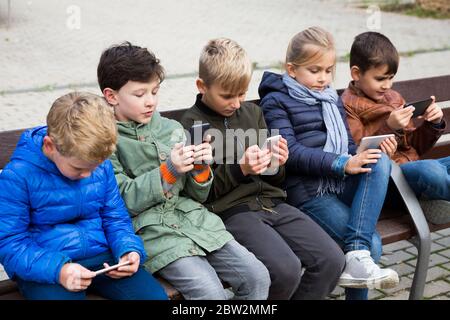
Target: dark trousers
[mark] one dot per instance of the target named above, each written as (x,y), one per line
(285,242)
(140,286)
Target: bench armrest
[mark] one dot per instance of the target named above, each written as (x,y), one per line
(410,200)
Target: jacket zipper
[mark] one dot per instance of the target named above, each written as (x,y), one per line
(83,239)
(258,200)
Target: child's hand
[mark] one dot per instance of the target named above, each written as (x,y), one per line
(255,161)
(128,270)
(356,162)
(433,113)
(281,151)
(389,146)
(182,157)
(203,152)
(399,118)
(74,277)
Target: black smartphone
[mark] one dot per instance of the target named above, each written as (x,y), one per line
(197,133)
(420,106)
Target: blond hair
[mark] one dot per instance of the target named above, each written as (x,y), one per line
(224,62)
(82,125)
(308,46)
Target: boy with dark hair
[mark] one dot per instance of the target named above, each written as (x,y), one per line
(251,202)
(163,182)
(373,108)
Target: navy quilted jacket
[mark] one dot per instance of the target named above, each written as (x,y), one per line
(47,220)
(304,129)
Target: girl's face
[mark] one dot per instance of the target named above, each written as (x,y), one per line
(316,75)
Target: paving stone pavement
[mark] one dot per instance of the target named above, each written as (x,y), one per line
(46,53)
(400,257)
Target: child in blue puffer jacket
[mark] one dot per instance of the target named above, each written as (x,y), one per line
(62,216)
(343,191)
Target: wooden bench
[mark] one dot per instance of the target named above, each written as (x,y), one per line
(394,225)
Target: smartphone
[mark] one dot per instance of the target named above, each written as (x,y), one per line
(420,106)
(197,133)
(104,270)
(372,142)
(274,165)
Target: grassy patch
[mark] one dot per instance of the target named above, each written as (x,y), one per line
(413,9)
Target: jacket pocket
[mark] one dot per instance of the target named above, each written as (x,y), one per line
(147,218)
(188,205)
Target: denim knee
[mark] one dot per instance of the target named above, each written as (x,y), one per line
(427,177)
(205,289)
(383,166)
(257,281)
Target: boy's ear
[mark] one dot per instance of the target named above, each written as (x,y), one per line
(48,146)
(290,69)
(110,96)
(355,72)
(201,86)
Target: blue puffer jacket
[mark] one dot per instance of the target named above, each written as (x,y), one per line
(304,129)
(47,220)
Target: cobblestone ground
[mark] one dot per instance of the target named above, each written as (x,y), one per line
(402,256)
(52,47)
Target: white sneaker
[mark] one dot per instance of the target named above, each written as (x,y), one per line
(362,272)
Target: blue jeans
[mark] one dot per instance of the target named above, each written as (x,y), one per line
(351,217)
(140,286)
(199,277)
(429,178)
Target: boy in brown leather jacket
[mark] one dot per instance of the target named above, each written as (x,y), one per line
(373,108)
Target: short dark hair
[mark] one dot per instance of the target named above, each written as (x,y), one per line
(371,50)
(124,62)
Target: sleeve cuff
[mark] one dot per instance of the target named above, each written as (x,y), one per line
(438,126)
(201,173)
(338,166)
(237,174)
(168,175)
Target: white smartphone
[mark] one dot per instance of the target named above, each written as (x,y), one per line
(274,165)
(104,270)
(372,142)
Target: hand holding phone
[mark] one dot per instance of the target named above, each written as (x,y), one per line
(274,163)
(197,133)
(400,118)
(74,277)
(114,267)
(372,142)
(433,113)
(419,106)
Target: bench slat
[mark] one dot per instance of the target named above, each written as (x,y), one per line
(418,89)
(395,229)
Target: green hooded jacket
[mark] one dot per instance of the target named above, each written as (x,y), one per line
(172,226)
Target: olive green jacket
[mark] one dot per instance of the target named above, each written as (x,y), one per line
(172,226)
(231,188)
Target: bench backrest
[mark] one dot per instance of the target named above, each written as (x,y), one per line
(411,90)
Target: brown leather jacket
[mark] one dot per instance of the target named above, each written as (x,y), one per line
(368,118)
